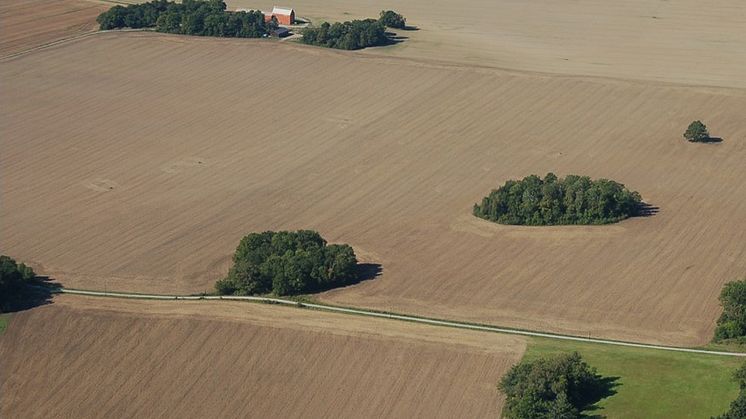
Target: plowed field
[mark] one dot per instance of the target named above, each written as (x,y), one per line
(137,162)
(110,358)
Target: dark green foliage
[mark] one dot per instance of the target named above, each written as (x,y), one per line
(697,132)
(191,17)
(352,35)
(392,19)
(732,323)
(287,263)
(738,407)
(14,281)
(549,388)
(555,201)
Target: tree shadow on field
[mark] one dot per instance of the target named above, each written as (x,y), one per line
(712,140)
(392,38)
(603,387)
(363,272)
(38,293)
(646,210)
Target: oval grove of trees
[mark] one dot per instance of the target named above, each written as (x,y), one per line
(190,17)
(559,386)
(288,263)
(556,201)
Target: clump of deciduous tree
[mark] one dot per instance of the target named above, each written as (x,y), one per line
(392,19)
(555,201)
(732,322)
(560,386)
(738,407)
(14,281)
(356,34)
(287,263)
(697,132)
(190,17)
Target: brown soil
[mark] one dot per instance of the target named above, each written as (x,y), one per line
(140,170)
(111,358)
(25,24)
(682,41)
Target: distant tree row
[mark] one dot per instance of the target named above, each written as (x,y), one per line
(555,201)
(287,263)
(559,386)
(356,34)
(190,17)
(14,281)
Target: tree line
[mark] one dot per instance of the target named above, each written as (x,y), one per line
(287,263)
(731,325)
(355,34)
(190,17)
(555,201)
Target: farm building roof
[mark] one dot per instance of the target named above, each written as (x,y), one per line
(281,11)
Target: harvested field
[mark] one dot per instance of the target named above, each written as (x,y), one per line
(102,357)
(682,41)
(137,162)
(25,24)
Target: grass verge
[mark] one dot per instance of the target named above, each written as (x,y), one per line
(4,320)
(653,384)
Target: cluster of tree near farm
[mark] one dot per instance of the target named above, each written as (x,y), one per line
(287,263)
(356,34)
(553,201)
(560,386)
(15,279)
(190,17)
(210,18)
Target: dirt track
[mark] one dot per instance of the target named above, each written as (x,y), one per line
(119,169)
(194,360)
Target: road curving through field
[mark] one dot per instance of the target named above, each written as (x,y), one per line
(393,316)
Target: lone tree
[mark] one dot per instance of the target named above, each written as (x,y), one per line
(392,19)
(697,132)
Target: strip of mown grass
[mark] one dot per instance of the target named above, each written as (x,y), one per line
(4,319)
(651,383)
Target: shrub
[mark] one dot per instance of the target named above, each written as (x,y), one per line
(392,19)
(561,386)
(554,201)
(287,263)
(190,17)
(356,34)
(732,322)
(697,132)
(14,281)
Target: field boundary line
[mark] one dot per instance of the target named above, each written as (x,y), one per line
(393,316)
(68,39)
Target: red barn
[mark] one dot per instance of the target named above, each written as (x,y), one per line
(283,15)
